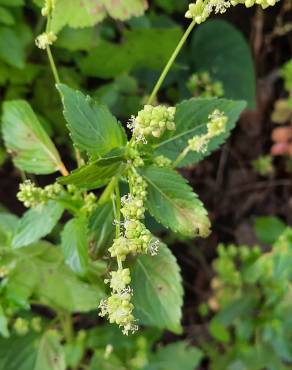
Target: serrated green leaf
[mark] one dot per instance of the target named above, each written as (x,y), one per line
(191,119)
(51,354)
(233,67)
(69,13)
(74,245)
(138,50)
(93,128)
(37,223)
(101,227)
(91,12)
(175,356)
(173,203)
(125,9)
(14,55)
(158,292)
(6,17)
(31,148)
(92,176)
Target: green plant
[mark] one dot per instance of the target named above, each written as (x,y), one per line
(104,239)
(251,297)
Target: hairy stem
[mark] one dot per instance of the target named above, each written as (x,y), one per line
(181,157)
(170,62)
(117,211)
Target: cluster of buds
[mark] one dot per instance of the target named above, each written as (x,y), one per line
(201,84)
(45,39)
(216,126)
(162,161)
(135,239)
(90,203)
(31,195)
(202,9)
(152,121)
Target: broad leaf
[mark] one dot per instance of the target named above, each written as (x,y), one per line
(101,227)
(125,9)
(51,354)
(89,12)
(172,202)
(14,54)
(8,224)
(32,352)
(93,128)
(268,229)
(74,245)
(76,15)
(158,291)
(175,356)
(92,176)
(138,50)
(46,277)
(31,148)
(19,353)
(219,48)
(99,362)
(191,119)
(6,16)
(37,223)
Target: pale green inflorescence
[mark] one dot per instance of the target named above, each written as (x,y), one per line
(45,39)
(152,121)
(134,239)
(202,9)
(201,84)
(216,126)
(31,195)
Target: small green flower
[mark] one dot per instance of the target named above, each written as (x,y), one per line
(21,326)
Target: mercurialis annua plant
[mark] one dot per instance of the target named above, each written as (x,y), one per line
(126,175)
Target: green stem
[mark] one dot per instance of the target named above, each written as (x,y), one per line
(117,211)
(67,326)
(107,193)
(170,62)
(53,65)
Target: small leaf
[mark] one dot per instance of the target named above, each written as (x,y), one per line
(74,245)
(268,229)
(51,354)
(219,331)
(93,128)
(175,356)
(92,176)
(37,223)
(234,67)
(31,148)
(172,202)
(158,291)
(191,119)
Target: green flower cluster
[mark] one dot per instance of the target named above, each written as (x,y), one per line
(31,195)
(45,39)
(201,84)
(152,121)
(202,9)
(134,239)
(216,126)
(162,161)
